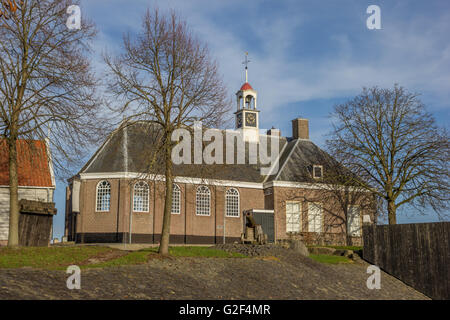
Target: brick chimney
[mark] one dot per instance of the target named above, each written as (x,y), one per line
(300,128)
(274,132)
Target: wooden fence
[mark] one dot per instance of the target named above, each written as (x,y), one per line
(418,254)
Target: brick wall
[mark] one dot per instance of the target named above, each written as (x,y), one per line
(333,227)
(146,226)
(187,227)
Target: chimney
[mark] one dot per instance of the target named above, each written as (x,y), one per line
(300,129)
(274,132)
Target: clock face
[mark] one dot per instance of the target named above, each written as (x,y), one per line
(239,120)
(250,119)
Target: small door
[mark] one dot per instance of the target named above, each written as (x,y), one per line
(266,220)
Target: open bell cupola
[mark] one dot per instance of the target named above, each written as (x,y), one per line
(247,114)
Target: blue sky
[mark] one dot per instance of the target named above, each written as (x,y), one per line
(305,56)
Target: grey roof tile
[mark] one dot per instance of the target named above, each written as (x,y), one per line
(131,149)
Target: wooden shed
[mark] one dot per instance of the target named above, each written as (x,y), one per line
(35,223)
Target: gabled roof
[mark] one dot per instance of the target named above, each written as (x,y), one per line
(33,164)
(303,155)
(129,150)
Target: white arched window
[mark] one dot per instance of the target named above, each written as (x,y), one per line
(232,203)
(176,195)
(140,197)
(203,200)
(103,199)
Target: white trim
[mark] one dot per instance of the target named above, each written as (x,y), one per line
(30,187)
(320,214)
(179,200)
(217,182)
(239,203)
(299,203)
(135,175)
(314,172)
(261,210)
(96,196)
(50,161)
(287,159)
(276,161)
(358,221)
(311,186)
(209,202)
(148,197)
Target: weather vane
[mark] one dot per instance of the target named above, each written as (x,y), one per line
(246,62)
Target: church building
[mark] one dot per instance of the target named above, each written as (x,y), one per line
(114,199)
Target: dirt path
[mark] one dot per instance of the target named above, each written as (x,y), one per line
(286,276)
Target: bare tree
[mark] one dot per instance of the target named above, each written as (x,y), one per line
(340,191)
(165,75)
(7,8)
(387,137)
(46,85)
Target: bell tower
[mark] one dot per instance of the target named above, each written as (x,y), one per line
(247,114)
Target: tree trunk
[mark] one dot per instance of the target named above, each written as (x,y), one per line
(348,237)
(13,238)
(165,233)
(392,212)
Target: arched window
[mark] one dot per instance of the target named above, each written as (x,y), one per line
(232,203)
(103,200)
(176,194)
(140,197)
(203,200)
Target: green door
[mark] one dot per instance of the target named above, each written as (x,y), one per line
(266,220)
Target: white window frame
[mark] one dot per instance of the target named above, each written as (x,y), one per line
(314,171)
(176,195)
(203,195)
(104,190)
(231,195)
(141,189)
(293,218)
(317,226)
(353,225)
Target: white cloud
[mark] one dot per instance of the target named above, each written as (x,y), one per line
(413,53)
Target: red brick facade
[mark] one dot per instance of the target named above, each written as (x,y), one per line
(188,227)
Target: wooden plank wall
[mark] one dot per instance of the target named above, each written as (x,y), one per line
(418,254)
(35,229)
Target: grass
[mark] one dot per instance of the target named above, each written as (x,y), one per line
(325,258)
(198,251)
(203,252)
(48,257)
(61,257)
(132,258)
(354,248)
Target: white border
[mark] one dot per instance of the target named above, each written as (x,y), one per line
(96,196)
(209,207)
(239,203)
(216,182)
(148,197)
(177,213)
